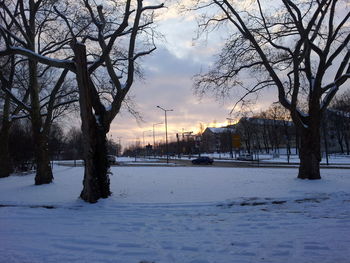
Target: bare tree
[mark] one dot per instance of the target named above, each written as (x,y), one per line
(10,111)
(109,39)
(301,48)
(27,26)
(338,119)
(121,68)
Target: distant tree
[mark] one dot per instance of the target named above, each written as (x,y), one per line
(73,147)
(56,141)
(113,148)
(338,118)
(22,146)
(265,132)
(280,124)
(246,129)
(133,150)
(298,47)
(201,128)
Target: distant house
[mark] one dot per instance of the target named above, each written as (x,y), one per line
(277,136)
(254,134)
(217,139)
(268,135)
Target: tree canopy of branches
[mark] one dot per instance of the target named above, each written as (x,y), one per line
(300,48)
(9,111)
(97,43)
(27,25)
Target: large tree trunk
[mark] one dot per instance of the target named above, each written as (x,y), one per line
(5,160)
(42,160)
(101,162)
(43,168)
(96,179)
(310,153)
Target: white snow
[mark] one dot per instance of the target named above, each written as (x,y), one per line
(178,214)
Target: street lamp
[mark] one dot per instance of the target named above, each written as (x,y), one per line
(166,133)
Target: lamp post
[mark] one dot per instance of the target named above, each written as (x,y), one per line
(166,133)
(154,138)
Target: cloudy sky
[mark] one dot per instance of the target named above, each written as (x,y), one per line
(168,83)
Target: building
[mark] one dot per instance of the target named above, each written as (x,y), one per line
(253,134)
(217,139)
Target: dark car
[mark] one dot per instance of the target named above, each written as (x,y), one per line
(203,160)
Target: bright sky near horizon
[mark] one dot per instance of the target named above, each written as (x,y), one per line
(168,83)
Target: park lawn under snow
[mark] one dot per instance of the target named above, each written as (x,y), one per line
(178,214)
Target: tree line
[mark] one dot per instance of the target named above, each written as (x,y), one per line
(62,145)
(266,132)
(297,48)
(273,129)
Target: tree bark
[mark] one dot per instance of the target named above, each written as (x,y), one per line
(5,160)
(96,179)
(43,168)
(42,160)
(310,153)
(101,162)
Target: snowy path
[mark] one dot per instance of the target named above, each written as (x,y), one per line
(274,225)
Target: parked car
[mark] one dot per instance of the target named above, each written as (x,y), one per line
(203,160)
(111,159)
(245,157)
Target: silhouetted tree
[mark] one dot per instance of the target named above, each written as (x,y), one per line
(117,40)
(28,26)
(299,47)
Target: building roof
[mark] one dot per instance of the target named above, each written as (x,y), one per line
(219,130)
(262,121)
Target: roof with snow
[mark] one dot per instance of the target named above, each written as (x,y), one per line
(262,121)
(219,130)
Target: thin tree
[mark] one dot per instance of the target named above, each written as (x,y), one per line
(300,48)
(10,112)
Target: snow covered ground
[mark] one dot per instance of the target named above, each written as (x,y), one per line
(178,214)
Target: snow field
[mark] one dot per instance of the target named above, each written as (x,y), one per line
(178,214)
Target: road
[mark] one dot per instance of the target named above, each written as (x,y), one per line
(217,163)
